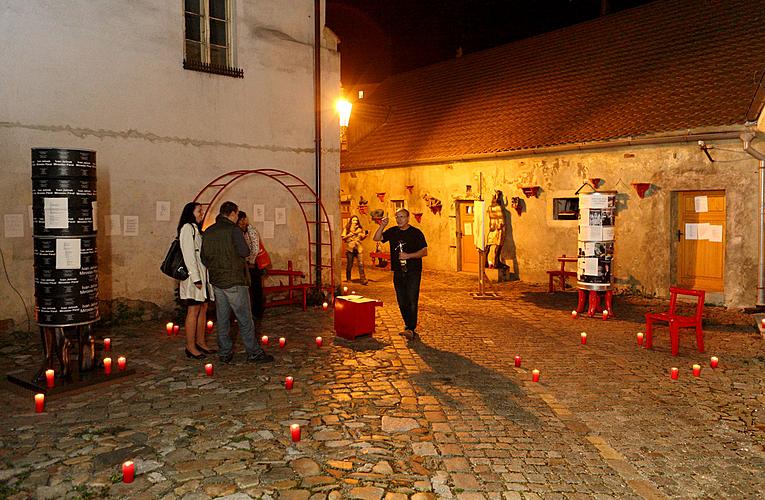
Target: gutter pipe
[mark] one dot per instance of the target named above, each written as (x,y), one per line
(747,139)
(317,132)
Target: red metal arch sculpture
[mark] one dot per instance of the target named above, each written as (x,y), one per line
(302,193)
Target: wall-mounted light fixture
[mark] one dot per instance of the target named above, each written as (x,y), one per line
(343,107)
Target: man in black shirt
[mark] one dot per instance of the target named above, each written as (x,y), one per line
(407,248)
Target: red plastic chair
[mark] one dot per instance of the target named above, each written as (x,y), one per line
(677,321)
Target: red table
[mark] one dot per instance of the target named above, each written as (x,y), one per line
(355,316)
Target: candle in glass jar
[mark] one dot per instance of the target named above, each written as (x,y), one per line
(325,306)
(640,336)
(50,378)
(39,402)
(122,363)
(713,361)
(209,326)
(108,366)
(128,472)
(176,329)
(696,370)
(674,373)
(319,341)
(535,375)
(264,340)
(288,382)
(574,314)
(295,431)
(517,361)
(282,342)
(107,344)
(169,327)
(583,335)
(209,369)
(605,314)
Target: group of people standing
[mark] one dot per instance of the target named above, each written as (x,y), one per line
(222,267)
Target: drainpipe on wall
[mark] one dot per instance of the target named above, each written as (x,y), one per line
(747,139)
(317,130)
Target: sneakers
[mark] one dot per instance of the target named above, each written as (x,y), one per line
(261,357)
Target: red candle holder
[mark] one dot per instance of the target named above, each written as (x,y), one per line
(176,329)
(50,378)
(122,363)
(39,402)
(574,314)
(209,369)
(169,327)
(325,306)
(288,383)
(108,366)
(517,361)
(696,370)
(128,472)
(107,344)
(713,361)
(605,314)
(282,342)
(535,375)
(583,336)
(674,373)
(345,290)
(210,326)
(295,432)
(640,336)
(264,340)
(319,341)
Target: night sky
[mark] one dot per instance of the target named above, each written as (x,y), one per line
(383,37)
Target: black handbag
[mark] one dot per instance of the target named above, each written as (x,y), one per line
(173,265)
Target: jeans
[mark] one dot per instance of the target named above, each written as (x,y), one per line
(236,298)
(349,266)
(407,287)
(256,293)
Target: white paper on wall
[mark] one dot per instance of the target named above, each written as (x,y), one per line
(163,210)
(591,266)
(56,213)
(130,223)
(715,233)
(31,216)
(115,225)
(705,231)
(280,216)
(68,253)
(608,233)
(268,229)
(467,230)
(258,213)
(701,204)
(14,225)
(691,231)
(595,201)
(590,233)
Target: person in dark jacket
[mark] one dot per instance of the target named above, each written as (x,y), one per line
(223,253)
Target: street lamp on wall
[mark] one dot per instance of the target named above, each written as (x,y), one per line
(343,107)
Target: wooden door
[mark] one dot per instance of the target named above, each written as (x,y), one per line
(468,251)
(701,236)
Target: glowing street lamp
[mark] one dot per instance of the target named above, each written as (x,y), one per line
(343,107)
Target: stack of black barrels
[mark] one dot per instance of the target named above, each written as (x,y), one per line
(65,257)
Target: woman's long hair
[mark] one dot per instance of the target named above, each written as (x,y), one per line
(187,215)
(348,224)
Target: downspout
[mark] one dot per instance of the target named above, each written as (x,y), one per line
(317,130)
(747,139)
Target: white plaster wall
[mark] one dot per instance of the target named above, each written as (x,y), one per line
(644,229)
(108,76)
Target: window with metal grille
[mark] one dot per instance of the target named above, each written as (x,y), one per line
(208,37)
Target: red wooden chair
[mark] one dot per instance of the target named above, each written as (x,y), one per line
(677,321)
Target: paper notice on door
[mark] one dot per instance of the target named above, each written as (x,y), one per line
(94,208)
(68,253)
(591,266)
(691,231)
(268,230)
(56,213)
(468,229)
(115,225)
(14,225)
(258,213)
(163,211)
(701,203)
(705,231)
(130,223)
(715,233)
(280,216)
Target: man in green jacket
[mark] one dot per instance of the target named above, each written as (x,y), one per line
(223,253)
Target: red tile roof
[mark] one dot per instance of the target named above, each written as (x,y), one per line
(667,66)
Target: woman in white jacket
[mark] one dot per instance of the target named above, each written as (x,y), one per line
(195,290)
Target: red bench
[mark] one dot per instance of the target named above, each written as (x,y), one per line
(289,288)
(677,321)
(561,274)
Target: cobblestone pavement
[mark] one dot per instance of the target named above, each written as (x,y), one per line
(447,417)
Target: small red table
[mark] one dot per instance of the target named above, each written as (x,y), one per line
(355,316)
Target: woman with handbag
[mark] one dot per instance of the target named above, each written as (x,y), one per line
(251,236)
(353,235)
(195,290)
